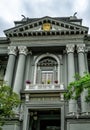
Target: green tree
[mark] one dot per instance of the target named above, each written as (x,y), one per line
(8,101)
(75,88)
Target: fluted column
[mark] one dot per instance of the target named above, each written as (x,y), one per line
(82,70)
(20,69)
(10,66)
(71,74)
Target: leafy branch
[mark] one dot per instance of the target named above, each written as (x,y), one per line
(75,88)
(8,101)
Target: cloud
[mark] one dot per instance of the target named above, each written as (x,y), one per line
(80,6)
(39,8)
(11,11)
(4,25)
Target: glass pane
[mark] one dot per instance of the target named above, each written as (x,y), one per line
(47,77)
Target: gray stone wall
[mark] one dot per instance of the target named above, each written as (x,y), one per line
(78,124)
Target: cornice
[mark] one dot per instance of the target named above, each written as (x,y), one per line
(47,33)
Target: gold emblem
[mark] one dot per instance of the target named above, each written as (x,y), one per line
(46,26)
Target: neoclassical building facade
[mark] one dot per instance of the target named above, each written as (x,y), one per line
(39,57)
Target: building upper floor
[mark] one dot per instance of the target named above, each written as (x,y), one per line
(45,44)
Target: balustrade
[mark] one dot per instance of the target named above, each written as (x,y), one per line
(44,87)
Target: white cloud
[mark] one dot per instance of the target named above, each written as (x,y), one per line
(11,10)
(80,5)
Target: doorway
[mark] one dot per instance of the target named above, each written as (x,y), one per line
(50,124)
(45,120)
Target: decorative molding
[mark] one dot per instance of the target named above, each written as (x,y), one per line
(45,100)
(23,50)
(47,62)
(81,48)
(70,48)
(12,50)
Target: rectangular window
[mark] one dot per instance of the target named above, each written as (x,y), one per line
(47,76)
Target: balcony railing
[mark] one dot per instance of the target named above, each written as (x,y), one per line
(44,87)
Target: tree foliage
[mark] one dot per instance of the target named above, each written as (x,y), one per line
(8,101)
(75,88)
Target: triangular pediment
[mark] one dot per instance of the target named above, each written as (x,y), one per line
(40,28)
(46,25)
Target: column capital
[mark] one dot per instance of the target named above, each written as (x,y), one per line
(80,48)
(12,50)
(23,50)
(70,48)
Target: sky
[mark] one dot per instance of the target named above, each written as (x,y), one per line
(11,10)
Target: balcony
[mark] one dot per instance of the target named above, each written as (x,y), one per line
(39,87)
(42,92)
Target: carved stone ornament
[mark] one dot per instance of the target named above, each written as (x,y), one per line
(70,48)
(81,48)
(12,50)
(23,50)
(46,27)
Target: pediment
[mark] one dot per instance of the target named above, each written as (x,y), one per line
(46,25)
(40,28)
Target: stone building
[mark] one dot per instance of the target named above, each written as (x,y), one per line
(38,59)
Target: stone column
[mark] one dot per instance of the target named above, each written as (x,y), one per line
(26,119)
(10,66)
(81,58)
(82,70)
(86,60)
(20,69)
(71,74)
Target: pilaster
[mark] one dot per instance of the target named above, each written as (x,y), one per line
(28,67)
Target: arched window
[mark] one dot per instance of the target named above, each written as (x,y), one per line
(47,70)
